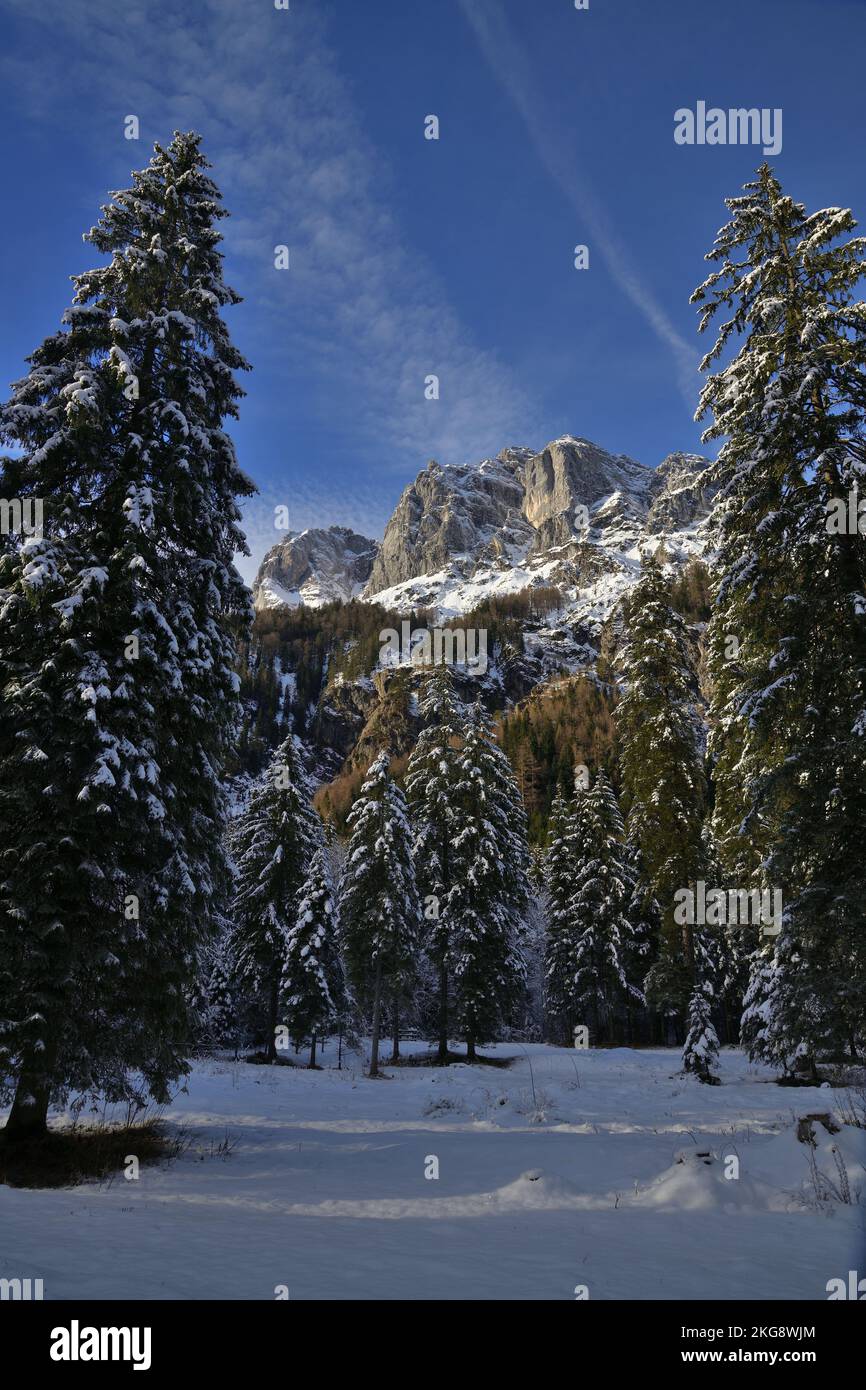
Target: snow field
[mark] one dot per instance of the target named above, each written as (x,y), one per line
(549,1178)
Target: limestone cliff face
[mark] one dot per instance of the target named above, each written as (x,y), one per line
(572,471)
(449,515)
(681,493)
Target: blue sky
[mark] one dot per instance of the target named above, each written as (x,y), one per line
(409,256)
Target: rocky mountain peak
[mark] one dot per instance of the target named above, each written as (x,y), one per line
(572,471)
(314,567)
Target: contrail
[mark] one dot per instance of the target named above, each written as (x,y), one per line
(497,42)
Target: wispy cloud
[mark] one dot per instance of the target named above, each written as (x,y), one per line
(500,47)
(359,305)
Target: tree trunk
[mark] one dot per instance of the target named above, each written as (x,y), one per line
(395,1055)
(377,1013)
(470,1050)
(312,1061)
(689,950)
(442,1054)
(28,1118)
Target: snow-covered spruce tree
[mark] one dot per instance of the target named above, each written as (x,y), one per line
(759,1031)
(662,764)
(211,997)
(312,989)
(430,781)
(489,892)
(380,910)
(530,1017)
(604,889)
(765,1029)
(731,948)
(789,698)
(272,844)
(559,886)
(701,1050)
(566,840)
(118,625)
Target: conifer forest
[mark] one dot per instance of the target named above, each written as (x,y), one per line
(432,841)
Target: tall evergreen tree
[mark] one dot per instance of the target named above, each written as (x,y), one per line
(562,864)
(212,998)
(789,701)
(312,988)
(487,900)
(731,948)
(430,781)
(701,1048)
(603,893)
(118,700)
(379,905)
(662,764)
(272,843)
(559,886)
(762,1031)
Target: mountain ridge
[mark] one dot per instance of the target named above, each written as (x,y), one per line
(571,516)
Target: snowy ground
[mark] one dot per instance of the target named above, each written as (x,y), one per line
(325,1190)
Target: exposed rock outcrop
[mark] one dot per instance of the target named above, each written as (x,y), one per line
(315,567)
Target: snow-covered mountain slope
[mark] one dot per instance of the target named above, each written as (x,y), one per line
(314,567)
(571,516)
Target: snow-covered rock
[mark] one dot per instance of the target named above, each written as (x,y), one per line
(314,567)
